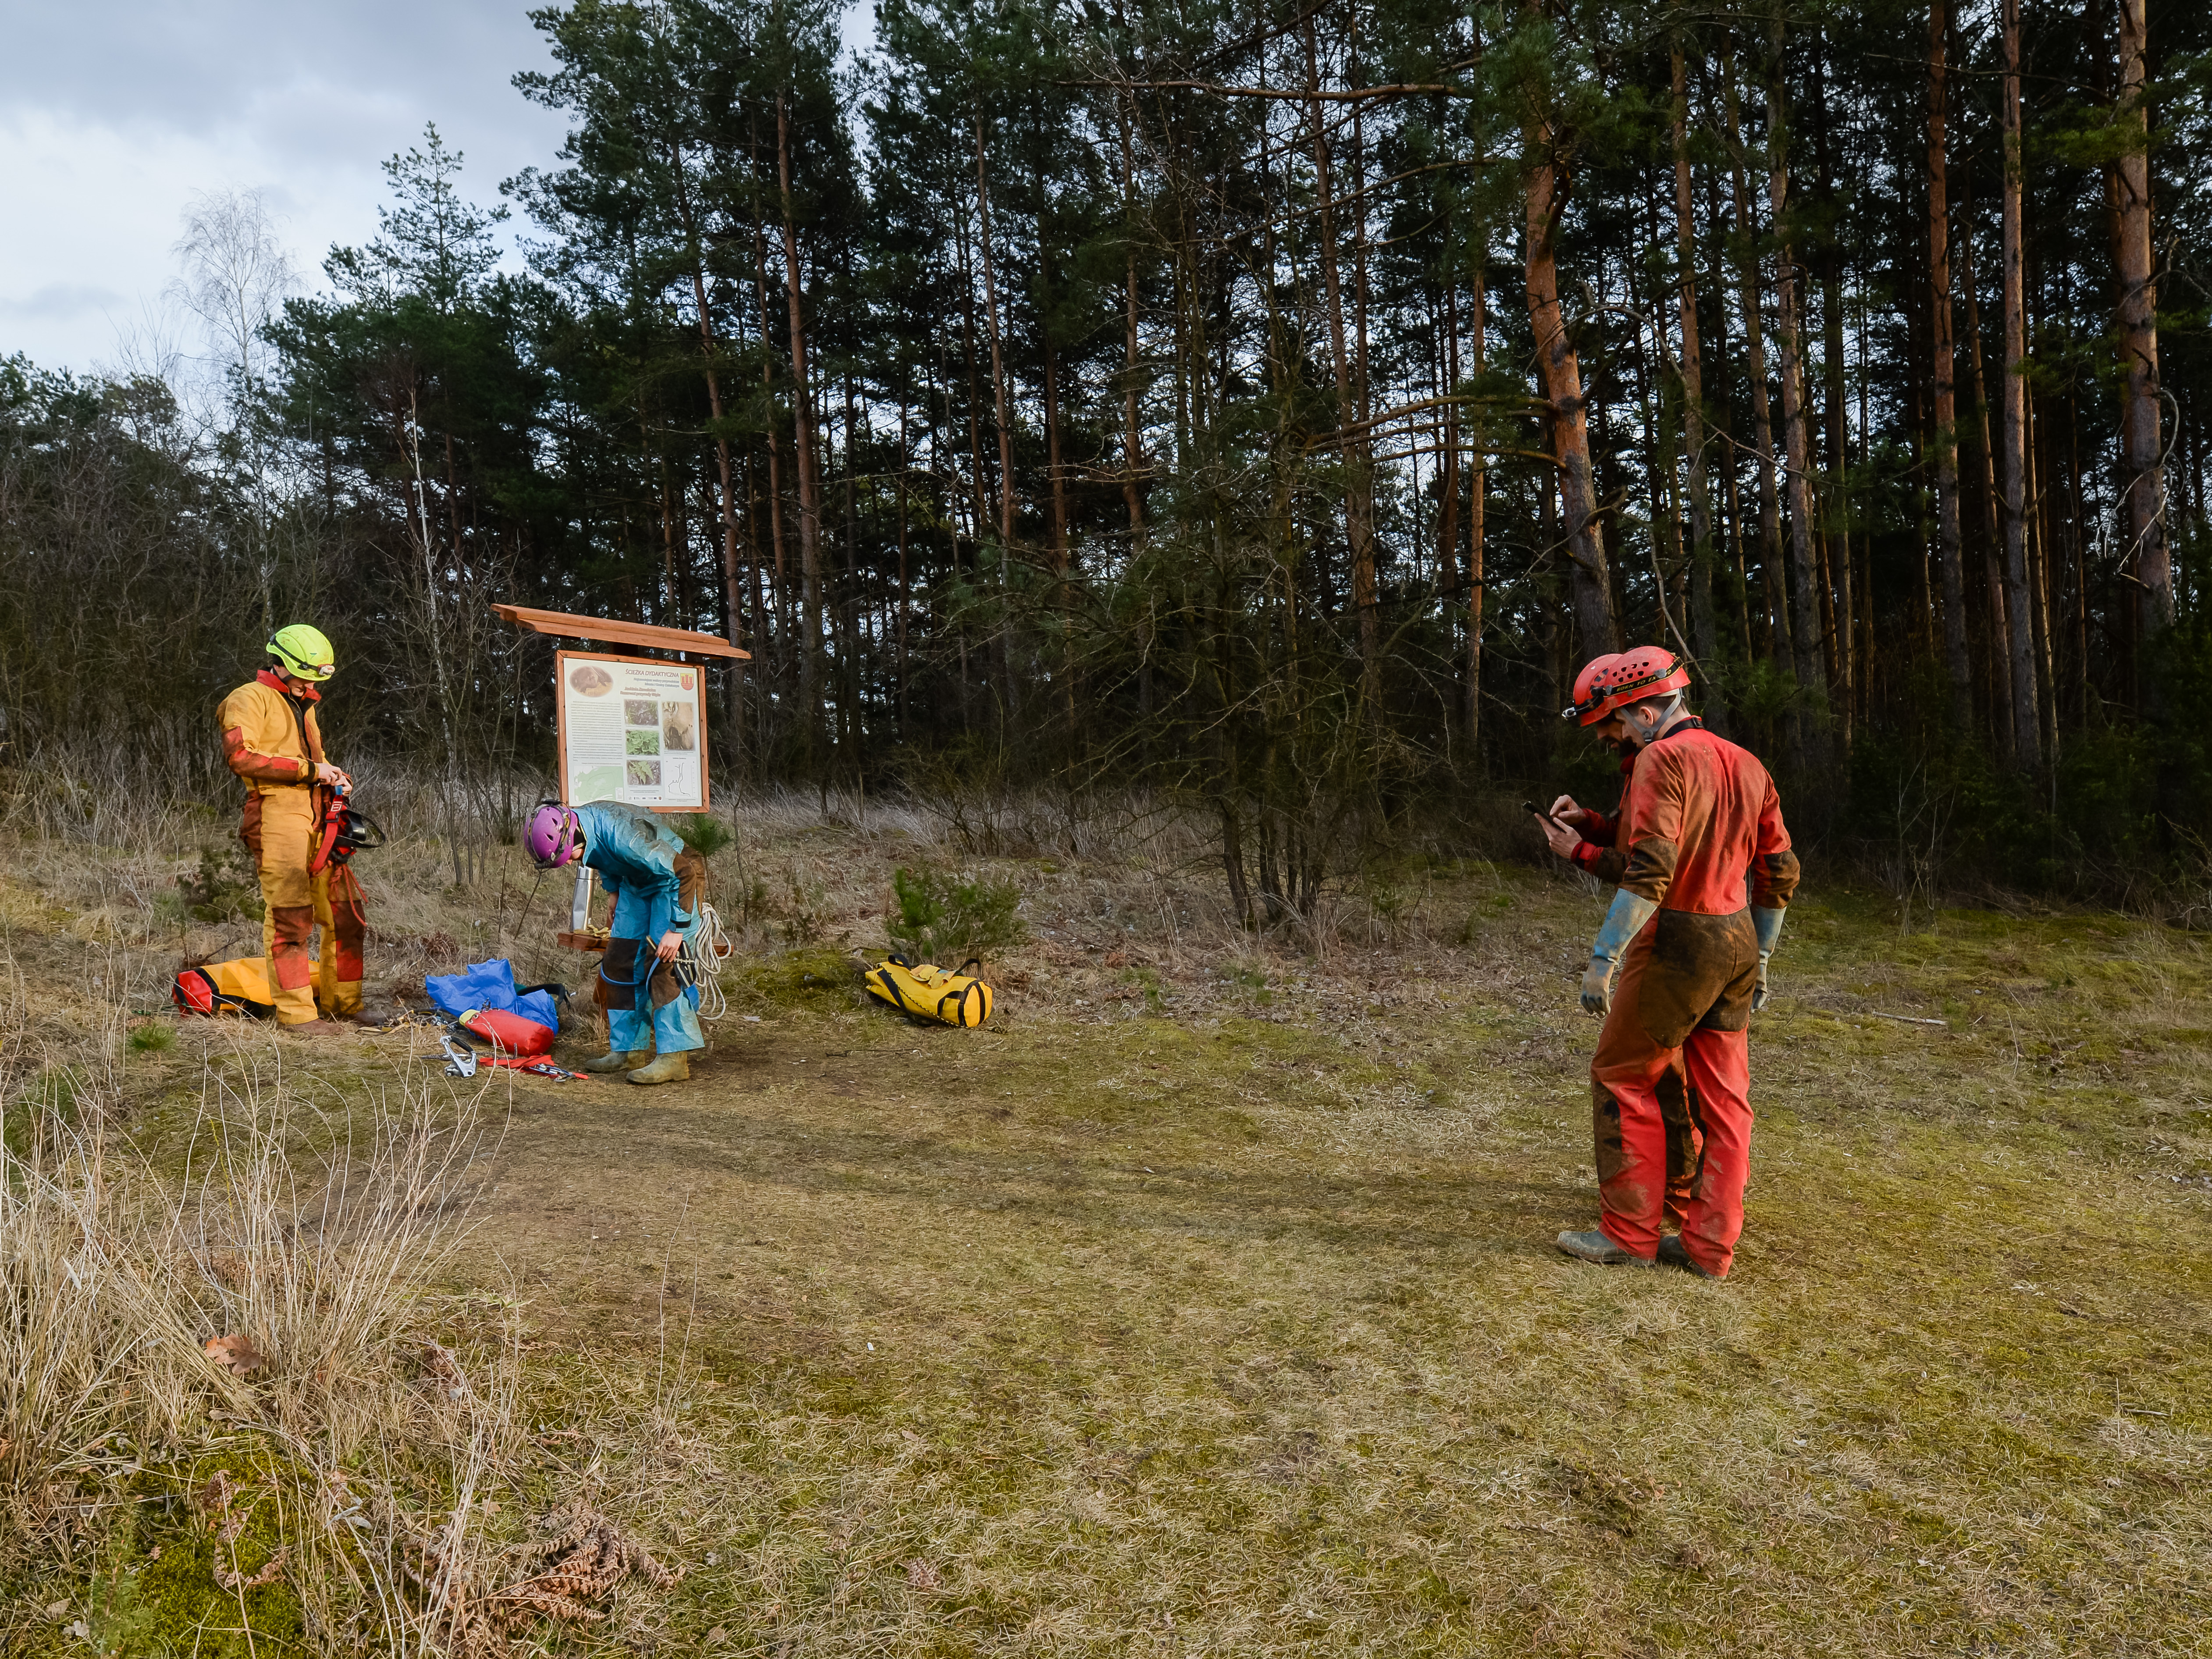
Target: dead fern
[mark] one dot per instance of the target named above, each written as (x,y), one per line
(585,1561)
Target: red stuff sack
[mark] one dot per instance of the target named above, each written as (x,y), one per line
(509,1033)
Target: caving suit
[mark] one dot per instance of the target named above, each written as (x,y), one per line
(271,739)
(1603,853)
(643,863)
(1700,821)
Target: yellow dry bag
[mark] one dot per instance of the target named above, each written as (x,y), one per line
(922,991)
(224,988)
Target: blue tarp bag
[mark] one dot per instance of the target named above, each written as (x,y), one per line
(489,985)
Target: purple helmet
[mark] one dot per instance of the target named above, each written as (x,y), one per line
(550,837)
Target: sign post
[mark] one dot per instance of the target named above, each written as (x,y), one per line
(631,729)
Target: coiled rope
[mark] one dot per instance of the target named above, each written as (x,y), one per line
(704,947)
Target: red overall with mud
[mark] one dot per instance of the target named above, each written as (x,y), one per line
(1603,853)
(1703,830)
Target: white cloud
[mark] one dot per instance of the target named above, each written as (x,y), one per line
(112,117)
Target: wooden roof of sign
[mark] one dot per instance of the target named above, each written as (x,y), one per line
(562,625)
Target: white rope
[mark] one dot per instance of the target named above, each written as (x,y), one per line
(705,946)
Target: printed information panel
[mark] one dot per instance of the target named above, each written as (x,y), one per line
(632,729)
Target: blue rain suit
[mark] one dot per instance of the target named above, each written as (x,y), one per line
(648,1004)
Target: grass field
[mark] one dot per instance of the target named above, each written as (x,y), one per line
(1204,1302)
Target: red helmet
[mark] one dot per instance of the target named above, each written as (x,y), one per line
(1589,705)
(1612,682)
(1647,671)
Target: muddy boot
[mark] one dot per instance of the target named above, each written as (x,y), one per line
(618,1062)
(1673,1253)
(1594,1246)
(669,1068)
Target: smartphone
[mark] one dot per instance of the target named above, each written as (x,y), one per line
(1531,807)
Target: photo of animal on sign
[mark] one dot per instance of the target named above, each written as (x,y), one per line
(635,737)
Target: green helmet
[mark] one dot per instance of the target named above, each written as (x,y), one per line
(304,652)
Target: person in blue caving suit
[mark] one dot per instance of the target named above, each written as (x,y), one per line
(653,1008)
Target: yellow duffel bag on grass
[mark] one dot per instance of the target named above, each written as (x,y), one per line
(923,991)
(224,988)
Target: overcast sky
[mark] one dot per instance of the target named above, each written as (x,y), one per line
(113,116)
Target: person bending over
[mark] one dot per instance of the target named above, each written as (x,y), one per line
(653,1013)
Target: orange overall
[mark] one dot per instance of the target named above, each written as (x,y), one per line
(271,739)
(1603,853)
(1701,822)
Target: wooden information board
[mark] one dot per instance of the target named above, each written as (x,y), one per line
(632,729)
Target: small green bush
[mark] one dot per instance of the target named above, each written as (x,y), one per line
(939,917)
(703,833)
(151,1039)
(225,886)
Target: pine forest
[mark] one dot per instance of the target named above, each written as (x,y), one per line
(1266,408)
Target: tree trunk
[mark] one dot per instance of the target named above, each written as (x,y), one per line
(1762,409)
(1836,516)
(1004,654)
(1999,663)
(1133,445)
(1804,558)
(2148,536)
(1704,628)
(732,583)
(1446,387)
(1728,529)
(1957,662)
(1478,484)
(802,442)
(2026,722)
(1560,374)
(905,587)
(998,356)
(1358,500)
(1063,595)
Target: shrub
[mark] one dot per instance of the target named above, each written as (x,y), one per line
(703,833)
(224,886)
(945,918)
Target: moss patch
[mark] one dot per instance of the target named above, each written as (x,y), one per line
(812,980)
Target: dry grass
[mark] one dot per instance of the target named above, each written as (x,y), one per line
(221,1428)
(1203,1301)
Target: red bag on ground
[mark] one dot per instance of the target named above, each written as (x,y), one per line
(508,1032)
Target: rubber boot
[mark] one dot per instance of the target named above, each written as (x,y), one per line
(1594,1246)
(1673,1253)
(669,1068)
(618,1062)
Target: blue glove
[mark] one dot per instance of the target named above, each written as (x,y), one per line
(1768,925)
(1623,923)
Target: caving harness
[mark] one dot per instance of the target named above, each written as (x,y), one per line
(346,830)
